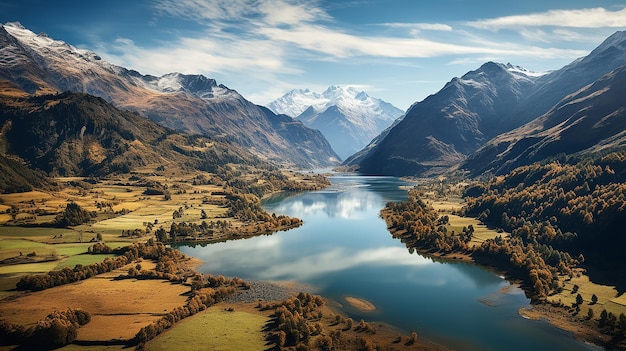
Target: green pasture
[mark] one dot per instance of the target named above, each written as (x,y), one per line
(607,296)
(34,233)
(27,268)
(13,247)
(214,329)
(82,259)
(481,232)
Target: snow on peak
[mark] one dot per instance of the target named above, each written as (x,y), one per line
(518,70)
(83,64)
(348,117)
(56,50)
(198,85)
(297,101)
(617,39)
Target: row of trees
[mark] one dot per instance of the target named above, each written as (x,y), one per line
(168,263)
(58,329)
(244,207)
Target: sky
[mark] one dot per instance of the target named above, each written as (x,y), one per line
(398,50)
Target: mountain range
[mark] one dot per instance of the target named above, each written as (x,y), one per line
(490,120)
(486,120)
(348,118)
(189,103)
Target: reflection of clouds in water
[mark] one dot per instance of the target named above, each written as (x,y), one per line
(243,252)
(349,204)
(301,207)
(264,259)
(340,259)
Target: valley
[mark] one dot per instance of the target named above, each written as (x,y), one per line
(137,209)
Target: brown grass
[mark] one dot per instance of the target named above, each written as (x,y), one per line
(119,308)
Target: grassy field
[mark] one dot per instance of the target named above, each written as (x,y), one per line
(607,296)
(119,308)
(456,224)
(215,329)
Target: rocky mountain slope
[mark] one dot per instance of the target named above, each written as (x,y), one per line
(589,120)
(190,103)
(74,134)
(347,117)
(446,128)
(440,131)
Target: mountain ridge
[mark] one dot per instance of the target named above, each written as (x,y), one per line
(75,134)
(189,103)
(445,130)
(441,130)
(589,120)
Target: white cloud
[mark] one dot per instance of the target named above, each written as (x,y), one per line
(205,10)
(420,26)
(577,18)
(343,45)
(193,55)
(279,12)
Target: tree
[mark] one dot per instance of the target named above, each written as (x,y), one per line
(161,234)
(579,299)
(203,214)
(594,299)
(603,318)
(74,215)
(590,314)
(412,339)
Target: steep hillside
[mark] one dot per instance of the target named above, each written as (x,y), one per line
(443,130)
(70,134)
(592,119)
(347,117)
(440,131)
(190,103)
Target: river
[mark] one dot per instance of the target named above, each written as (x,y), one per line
(344,249)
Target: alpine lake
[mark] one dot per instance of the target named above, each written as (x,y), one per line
(344,250)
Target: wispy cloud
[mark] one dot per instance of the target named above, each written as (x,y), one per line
(579,18)
(277,41)
(419,26)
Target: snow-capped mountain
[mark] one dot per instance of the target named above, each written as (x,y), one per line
(190,103)
(347,117)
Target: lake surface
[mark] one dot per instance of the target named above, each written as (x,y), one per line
(344,249)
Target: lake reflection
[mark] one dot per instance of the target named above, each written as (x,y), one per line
(344,249)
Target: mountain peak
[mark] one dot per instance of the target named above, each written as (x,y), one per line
(16,25)
(617,39)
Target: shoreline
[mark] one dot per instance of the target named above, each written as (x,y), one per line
(555,316)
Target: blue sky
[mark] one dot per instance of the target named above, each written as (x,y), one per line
(398,50)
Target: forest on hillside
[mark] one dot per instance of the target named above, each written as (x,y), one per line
(561,214)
